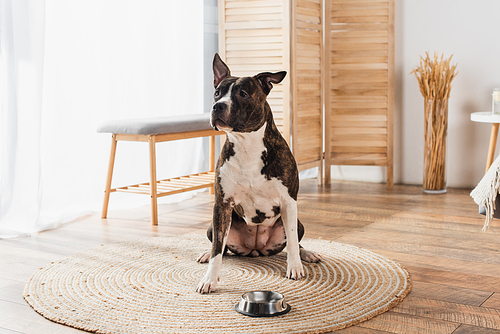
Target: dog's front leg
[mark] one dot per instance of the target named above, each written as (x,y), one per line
(294,270)
(220,230)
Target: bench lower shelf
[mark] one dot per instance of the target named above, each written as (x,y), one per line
(172,186)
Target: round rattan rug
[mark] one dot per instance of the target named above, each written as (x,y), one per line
(148,286)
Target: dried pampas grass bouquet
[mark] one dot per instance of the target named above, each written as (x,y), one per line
(434,78)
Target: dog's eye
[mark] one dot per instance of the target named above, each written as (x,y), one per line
(217,93)
(243,94)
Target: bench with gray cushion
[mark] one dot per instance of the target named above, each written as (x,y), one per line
(156,130)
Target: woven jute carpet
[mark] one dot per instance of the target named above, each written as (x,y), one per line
(148,286)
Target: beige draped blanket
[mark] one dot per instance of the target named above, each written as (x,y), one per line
(486,191)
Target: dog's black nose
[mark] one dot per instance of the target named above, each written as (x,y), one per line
(219,107)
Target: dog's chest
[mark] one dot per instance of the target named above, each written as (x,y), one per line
(257,199)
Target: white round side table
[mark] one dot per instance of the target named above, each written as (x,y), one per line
(494,119)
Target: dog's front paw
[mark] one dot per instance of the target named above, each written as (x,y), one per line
(207,284)
(203,257)
(210,280)
(309,256)
(295,271)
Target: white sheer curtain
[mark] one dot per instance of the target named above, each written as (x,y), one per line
(65,67)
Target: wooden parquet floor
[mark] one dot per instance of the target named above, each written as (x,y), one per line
(454,266)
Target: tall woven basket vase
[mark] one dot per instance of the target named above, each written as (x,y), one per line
(436,127)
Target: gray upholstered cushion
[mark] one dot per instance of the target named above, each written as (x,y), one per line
(158,125)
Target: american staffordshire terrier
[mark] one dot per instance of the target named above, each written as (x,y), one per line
(256,181)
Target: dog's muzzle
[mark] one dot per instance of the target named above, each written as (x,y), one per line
(218,117)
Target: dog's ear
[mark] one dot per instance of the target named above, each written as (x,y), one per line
(267,79)
(221,71)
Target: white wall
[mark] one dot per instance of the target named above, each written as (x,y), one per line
(466,29)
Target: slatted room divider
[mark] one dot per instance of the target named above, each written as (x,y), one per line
(359,84)
(353,84)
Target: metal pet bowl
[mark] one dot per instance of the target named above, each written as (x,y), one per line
(262,304)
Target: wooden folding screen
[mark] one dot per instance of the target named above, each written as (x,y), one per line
(307,83)
(354,83)
(274,35)
(359,72)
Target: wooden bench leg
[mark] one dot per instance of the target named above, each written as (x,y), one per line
(107,191)
(152,172)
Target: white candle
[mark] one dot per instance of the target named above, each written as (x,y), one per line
(496,95)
